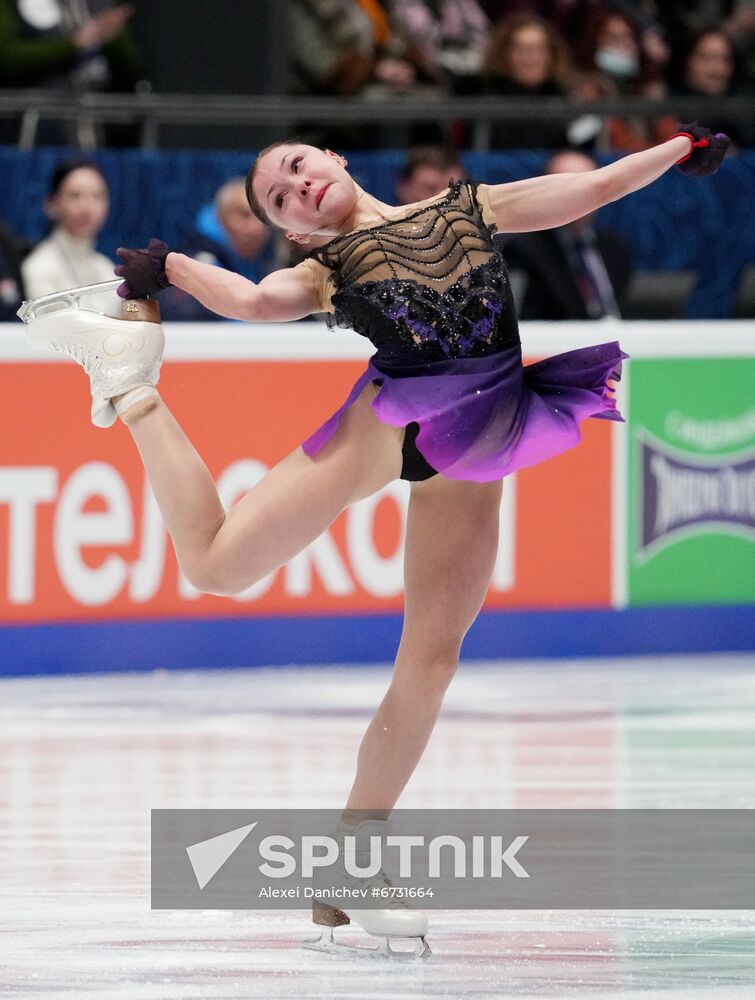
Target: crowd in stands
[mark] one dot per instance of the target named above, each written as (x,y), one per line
(581,49)
(584,50)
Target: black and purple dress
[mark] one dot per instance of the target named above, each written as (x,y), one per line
(431,291)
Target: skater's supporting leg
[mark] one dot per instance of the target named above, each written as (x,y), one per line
(225,552)
(451,547)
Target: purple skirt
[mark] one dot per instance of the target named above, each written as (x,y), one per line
(483,418)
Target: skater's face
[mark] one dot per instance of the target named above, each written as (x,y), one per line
(304,190)
(80,205)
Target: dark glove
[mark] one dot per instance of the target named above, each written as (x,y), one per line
(143,270)
(707,150)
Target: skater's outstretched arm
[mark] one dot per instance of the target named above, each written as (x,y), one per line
(557,199)
(291,293)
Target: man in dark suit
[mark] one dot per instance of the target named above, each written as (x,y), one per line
(575,271)
(12,251)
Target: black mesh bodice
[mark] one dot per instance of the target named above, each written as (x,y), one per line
(426,287)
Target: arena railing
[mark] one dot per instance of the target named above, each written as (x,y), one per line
(151,111)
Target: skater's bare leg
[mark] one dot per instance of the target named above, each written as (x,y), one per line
(451,547)
(225,552)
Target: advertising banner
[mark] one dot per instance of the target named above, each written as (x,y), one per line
(691,481)
(82,537)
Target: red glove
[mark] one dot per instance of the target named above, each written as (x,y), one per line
(707,152)
(144,270)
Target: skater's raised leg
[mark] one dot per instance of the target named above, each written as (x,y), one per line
(224,552)
(220,552)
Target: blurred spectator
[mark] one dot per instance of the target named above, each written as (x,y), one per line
(349,47)
(228,235)
(736,18)
(426,172)
(527,57)
(575,271)
(708,68)
(685,17)
(564,15)
(450,34)
(12,251)
(614,64)
(233,234)
(708,63)
(77,205)
(66,46)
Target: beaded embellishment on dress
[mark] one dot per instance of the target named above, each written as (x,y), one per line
(431,291)
(426,287)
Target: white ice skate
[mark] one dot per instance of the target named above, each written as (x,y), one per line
(118,354)
(398,920)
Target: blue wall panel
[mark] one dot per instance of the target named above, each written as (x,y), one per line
(248,642)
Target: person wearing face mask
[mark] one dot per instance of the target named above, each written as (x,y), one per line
(77,205)
(614,63)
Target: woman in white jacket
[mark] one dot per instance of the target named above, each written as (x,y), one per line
(77,204)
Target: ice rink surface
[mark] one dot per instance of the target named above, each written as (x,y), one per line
(83,759)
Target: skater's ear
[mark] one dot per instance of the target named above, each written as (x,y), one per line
(337,157)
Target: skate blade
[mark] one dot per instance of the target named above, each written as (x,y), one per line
(69,298)
(326,943)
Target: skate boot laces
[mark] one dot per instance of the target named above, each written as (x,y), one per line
(77,352)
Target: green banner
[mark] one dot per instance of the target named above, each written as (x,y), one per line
(691,481)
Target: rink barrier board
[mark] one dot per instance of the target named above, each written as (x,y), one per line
(197,644)
(553,593)
(689,459)
(85,538)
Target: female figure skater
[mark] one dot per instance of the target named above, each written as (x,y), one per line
(444,403)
